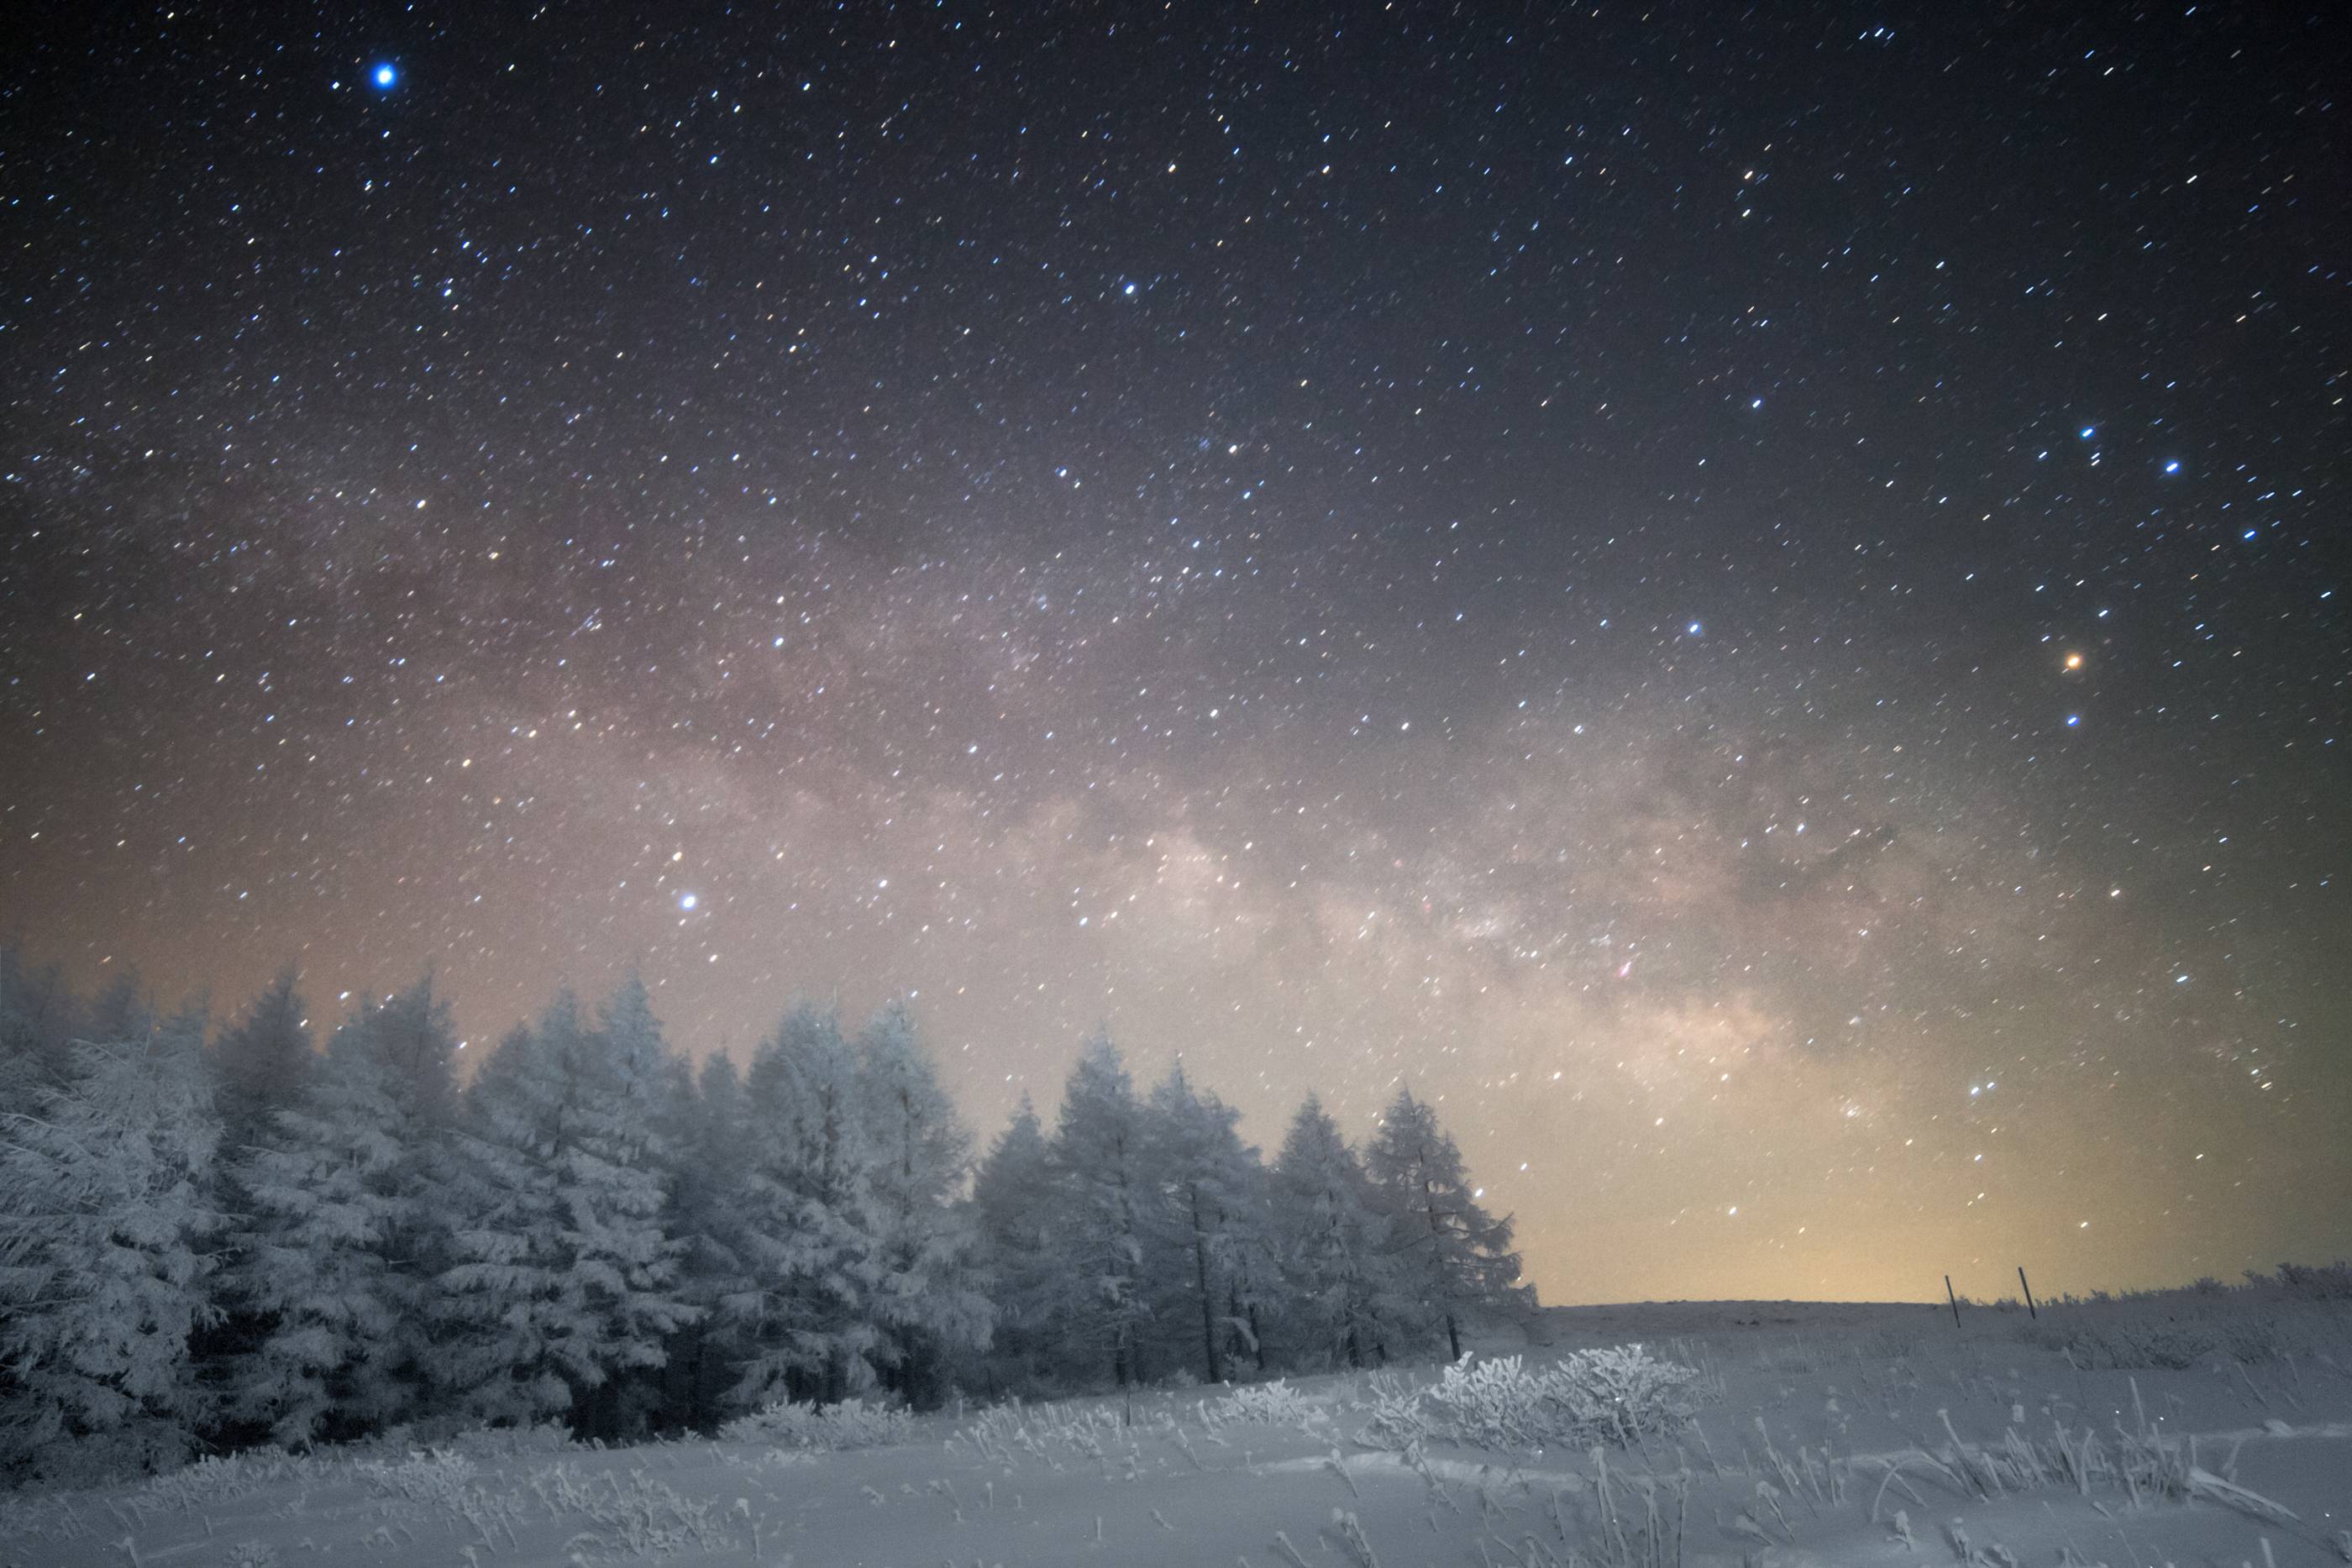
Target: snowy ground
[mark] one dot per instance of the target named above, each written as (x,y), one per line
(2003,1448)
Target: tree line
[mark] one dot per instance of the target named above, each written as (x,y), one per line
(221,1237)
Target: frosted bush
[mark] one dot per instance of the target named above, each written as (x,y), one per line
(1274,1403)
(827,1428)
(1494,1404)
(2132,1344)
(440,1478)
(540,1440)
(637,1516)
(2327,1282)
(1398,1420)
(217,1479)
(1047,1432)
(1625,1394)
(1621,1396)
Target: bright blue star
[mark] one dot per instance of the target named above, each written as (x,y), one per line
(385,74)
(2173,466)
(2072,719)
(1696,628)
(685,900)
(2088,430)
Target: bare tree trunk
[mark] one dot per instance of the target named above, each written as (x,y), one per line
(1208,1302)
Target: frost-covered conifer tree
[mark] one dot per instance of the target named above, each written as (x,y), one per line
(1454,1256)
(1210,1221)
(500,1325)
(711,1118)
(1013,1209)
(119,1012)
(1340,1277)
(106,1229)
(655,1087)
(562,1284)
(1098,1173)
(36,1030)
(803,1225)
(259,1065)
(927,1305)
(344,1237)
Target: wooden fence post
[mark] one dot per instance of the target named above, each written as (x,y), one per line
(1953,1298)
(2029,1292)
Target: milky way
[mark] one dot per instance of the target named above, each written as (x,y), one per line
(1750,603)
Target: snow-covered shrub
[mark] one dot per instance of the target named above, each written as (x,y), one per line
(2175,1345)
(1618,1396)
(440,1478)
(2324,1282)
(1625,1394)
(636,1516)
(1047,1432)
(1274,1403)
(220,1478)
(538,1440)
(1494,1404)
(1398,1420)
(852,1423)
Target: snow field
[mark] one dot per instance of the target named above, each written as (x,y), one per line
(1848,1435)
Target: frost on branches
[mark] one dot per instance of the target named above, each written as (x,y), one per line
(105,1226)
(1622,1396)
(822,1428)
(257,1241)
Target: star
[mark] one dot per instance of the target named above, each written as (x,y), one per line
(441,542)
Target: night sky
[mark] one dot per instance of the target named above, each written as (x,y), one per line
(1753,601)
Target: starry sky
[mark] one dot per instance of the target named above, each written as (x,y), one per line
(1749,599)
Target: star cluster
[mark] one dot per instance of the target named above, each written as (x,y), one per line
(1748,601)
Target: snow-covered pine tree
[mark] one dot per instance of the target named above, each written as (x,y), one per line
(927,1305)
(654,1086)
(1456,1256)
(106,1224)
(498,1321)
(1098,1177)
(647,1073)
(119,1012)
(259,1065)
(36,1014)
(561,1283)
(711,1115)
(1254,1284)
(1340,1277)
(1012,1209)
(343,1237)
(1210,1221)
(803,1225)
